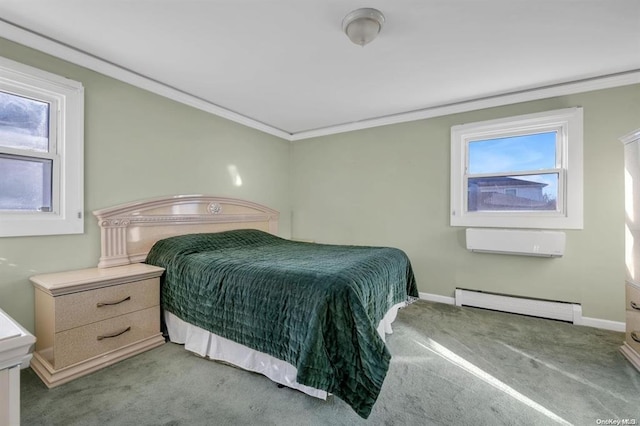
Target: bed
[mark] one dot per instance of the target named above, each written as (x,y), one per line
(309,316)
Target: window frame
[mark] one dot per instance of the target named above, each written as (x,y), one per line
(66,149)
(568,123)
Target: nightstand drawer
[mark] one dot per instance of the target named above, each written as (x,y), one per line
(82,343)
(633,330)
(86,307)
(633,297)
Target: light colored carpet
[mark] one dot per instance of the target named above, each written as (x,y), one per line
(450,366)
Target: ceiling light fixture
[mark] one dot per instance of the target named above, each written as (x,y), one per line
(363,25)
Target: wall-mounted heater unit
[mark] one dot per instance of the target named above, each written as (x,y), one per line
(520,242)
(562,311)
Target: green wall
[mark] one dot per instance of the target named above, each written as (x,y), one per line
(381,186)
(390,186)
(139,145)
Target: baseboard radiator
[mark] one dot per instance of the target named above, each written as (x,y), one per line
(562,311)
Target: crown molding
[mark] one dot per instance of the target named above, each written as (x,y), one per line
(59,50)
(52,47)
(586,85)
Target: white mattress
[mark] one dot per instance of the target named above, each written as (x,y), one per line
(215,347)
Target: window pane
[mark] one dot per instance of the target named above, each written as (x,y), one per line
(24,123)
(25,183)
(513,154)
(513,193)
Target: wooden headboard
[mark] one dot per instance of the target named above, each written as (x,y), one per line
(128,231)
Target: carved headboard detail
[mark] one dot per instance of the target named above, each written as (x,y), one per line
(128,231)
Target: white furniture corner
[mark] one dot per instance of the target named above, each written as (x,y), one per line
(631,346)
(15,350)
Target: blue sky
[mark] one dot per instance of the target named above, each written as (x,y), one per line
(514,154)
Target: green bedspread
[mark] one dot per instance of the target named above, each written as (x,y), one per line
(314,306)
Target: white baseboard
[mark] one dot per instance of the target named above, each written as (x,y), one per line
(604,324)
(437,298)
(585,321)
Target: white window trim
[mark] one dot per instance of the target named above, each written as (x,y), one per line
(569,122)
(67,102)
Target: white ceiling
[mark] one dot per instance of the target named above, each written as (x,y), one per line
(286,67)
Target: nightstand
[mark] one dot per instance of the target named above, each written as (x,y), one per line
(91,318)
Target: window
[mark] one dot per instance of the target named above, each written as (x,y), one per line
(518,172)
(41,152)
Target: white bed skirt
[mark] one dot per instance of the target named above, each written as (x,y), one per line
(215,347)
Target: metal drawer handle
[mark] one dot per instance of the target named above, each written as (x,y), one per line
(634,336)
(108,336)
(101,304)
(634,305)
